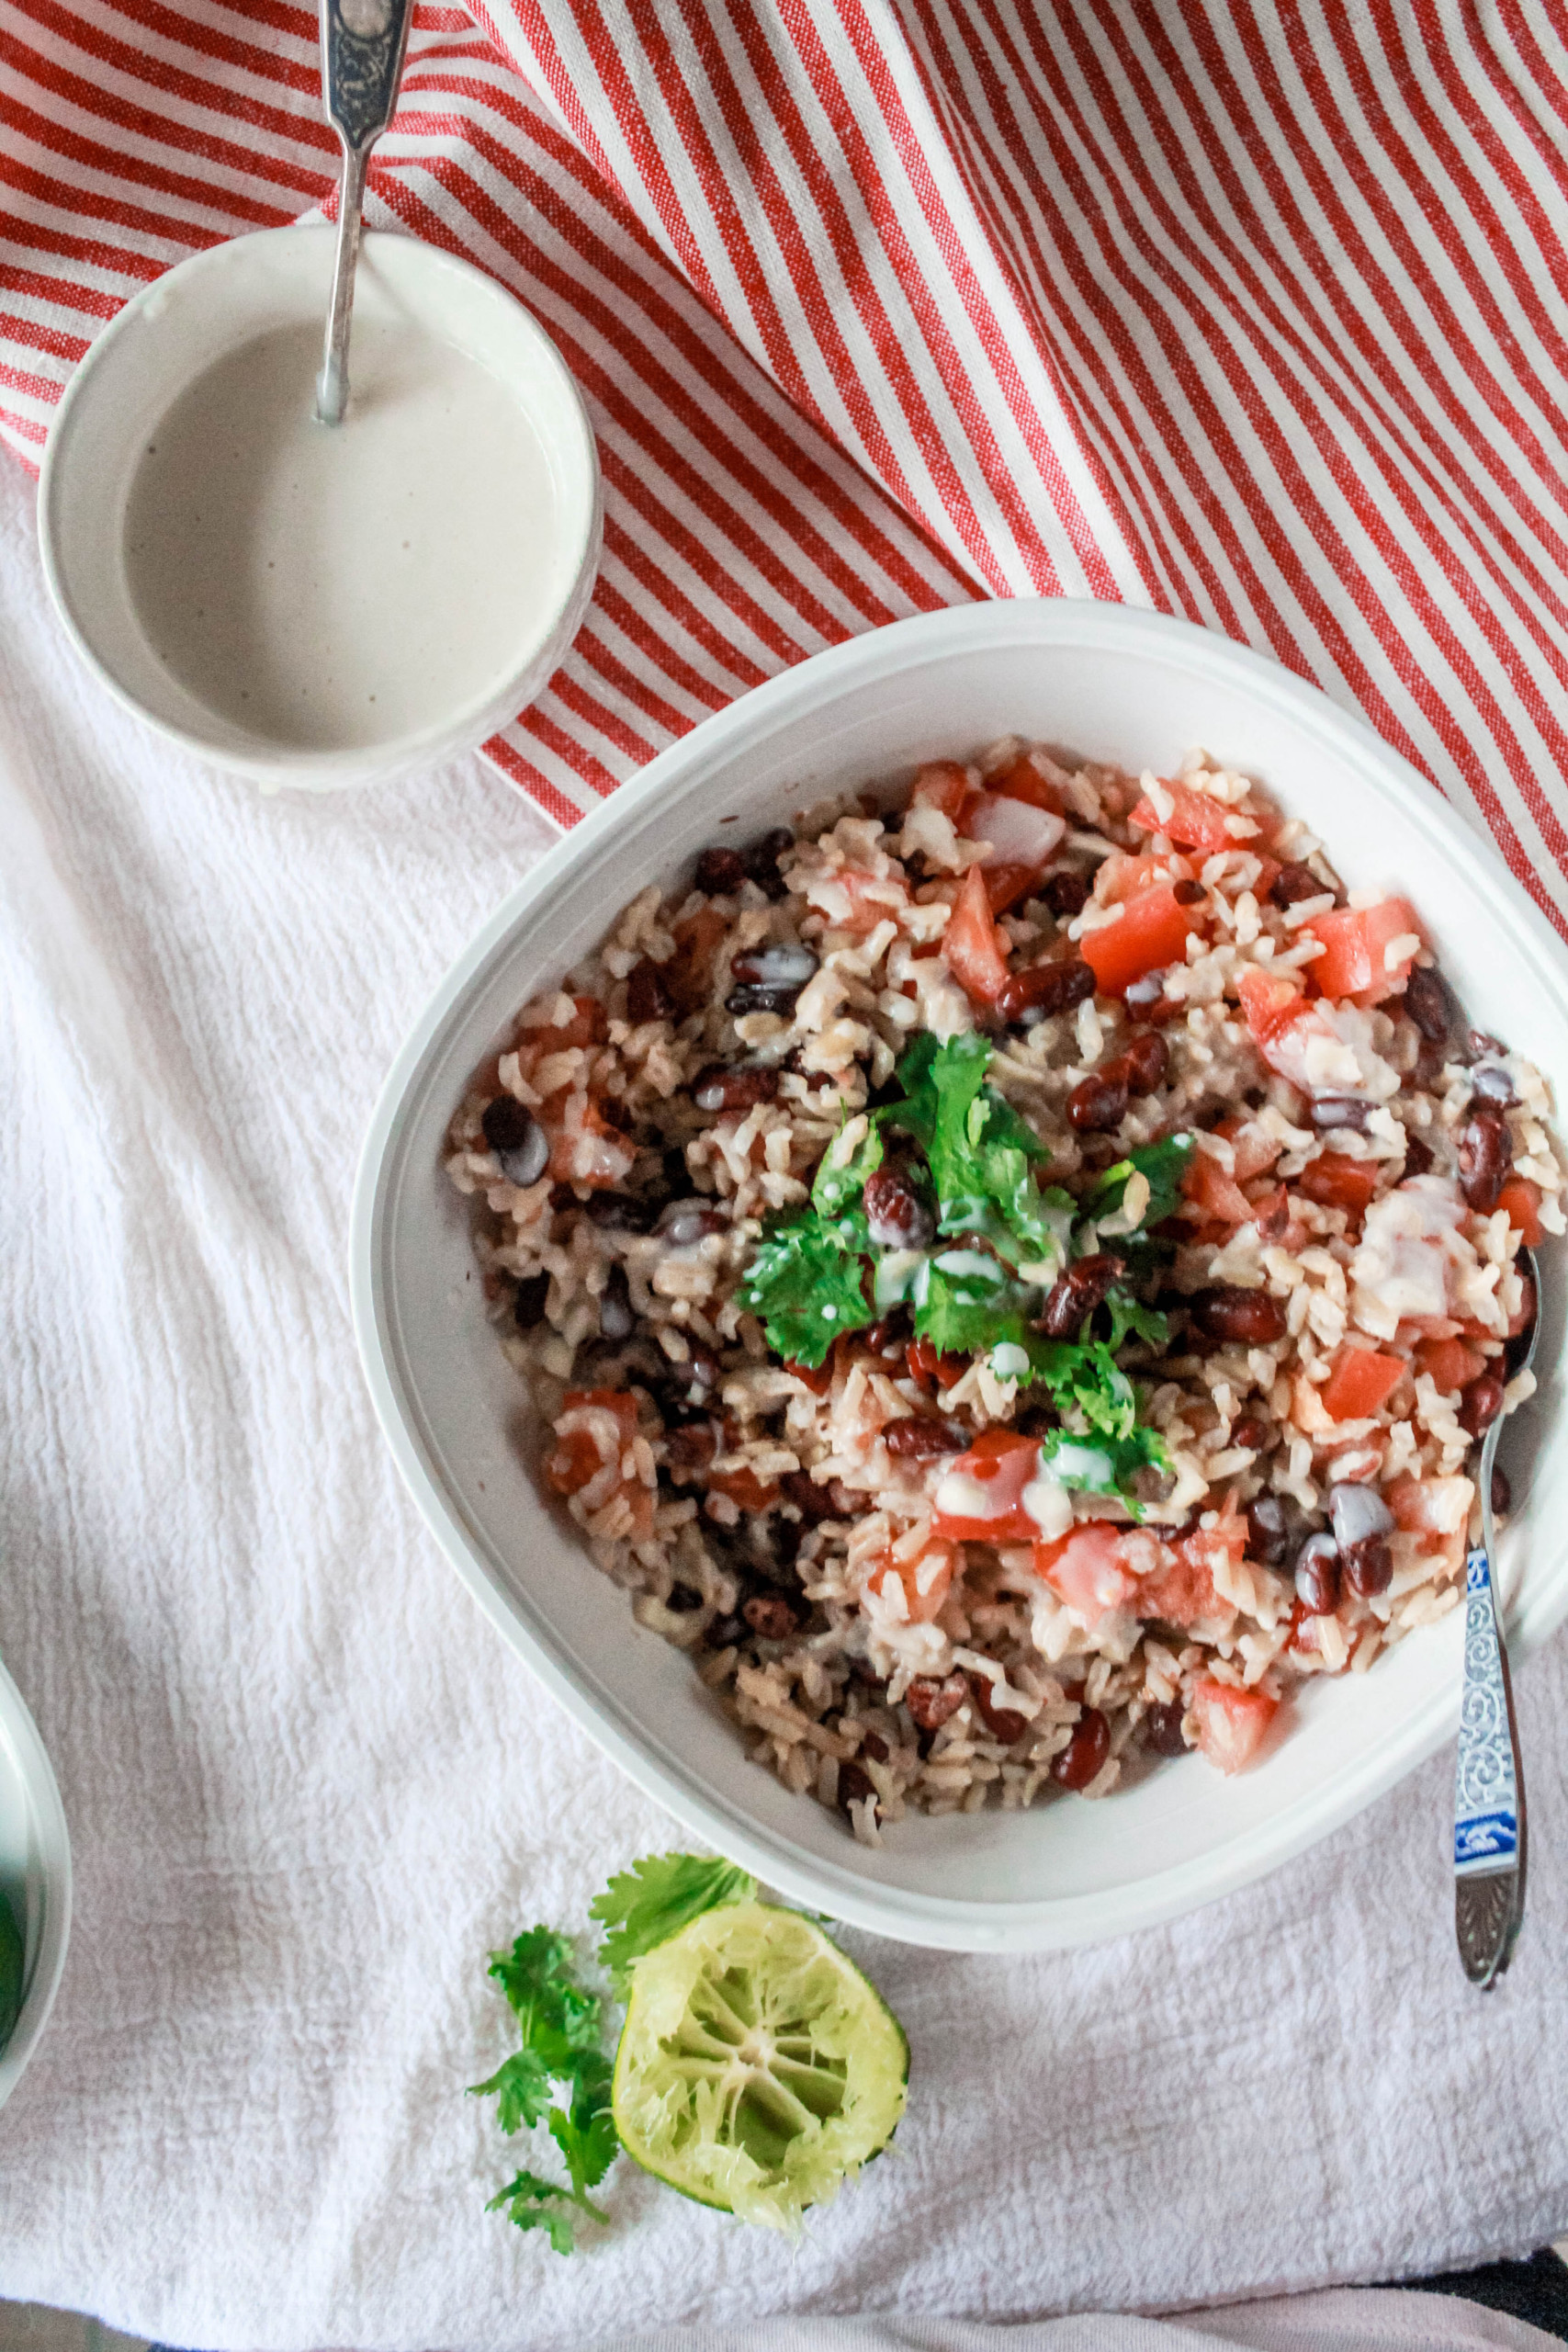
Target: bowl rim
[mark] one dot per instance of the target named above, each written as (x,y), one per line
(933,1922)
(465,728)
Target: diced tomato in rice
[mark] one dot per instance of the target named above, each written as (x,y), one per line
(925,1577)
(1355,963)
(1088,1570)
(1197,821)
(980,1496)
(1232,1724)
(970,945)
(1151,931)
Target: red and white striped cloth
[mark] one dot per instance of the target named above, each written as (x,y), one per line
(1251,311)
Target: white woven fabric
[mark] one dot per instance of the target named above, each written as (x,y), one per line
(308,1788)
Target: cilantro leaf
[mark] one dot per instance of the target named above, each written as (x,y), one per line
(1090,1378)
(805,1282)
(537,2204)
(841,1182)
(970,1304)
(1164,1163)
(1104,1464)
(522,2086)
(656,1898)
(584,2131)
(1129,1315)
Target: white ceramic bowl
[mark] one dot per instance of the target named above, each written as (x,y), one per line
(1110,683)
(35,1874)
(182,325)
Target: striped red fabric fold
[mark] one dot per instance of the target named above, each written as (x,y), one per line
(1248,312)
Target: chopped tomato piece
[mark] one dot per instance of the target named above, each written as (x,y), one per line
(1450,1364)
(585,1147)
(1197,821)
(1153,931)
(980,1498)
(1183,1589)
(1021,780)
(586,1028)
(1254,1149)
(1355,939)
(1086,1568)
(1522,1201)
(930,1369)
(690,970)
(744,1486)
(1122,877)
(1231,1724)
(970,946)
(1269,1000)
(1215,1193)
(818,1378)
(873,898)
(1335,1181)
(1435,1511)
(926,1577)
(1360,1384)
(943,785)
(575,1460)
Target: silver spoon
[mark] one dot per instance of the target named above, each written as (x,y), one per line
(362,64)
(1490,1841)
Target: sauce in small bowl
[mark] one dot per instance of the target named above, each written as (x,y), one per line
(317,605)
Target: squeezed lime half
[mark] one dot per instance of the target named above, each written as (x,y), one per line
(757,2067)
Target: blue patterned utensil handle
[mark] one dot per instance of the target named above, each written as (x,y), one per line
(1489,1814)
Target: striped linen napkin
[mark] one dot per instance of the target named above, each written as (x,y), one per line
(1245,309)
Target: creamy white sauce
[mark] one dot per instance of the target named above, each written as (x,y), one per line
(332,588)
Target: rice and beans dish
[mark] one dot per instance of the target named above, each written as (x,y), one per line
(1013,1274)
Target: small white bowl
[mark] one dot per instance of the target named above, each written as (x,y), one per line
(1110,683)
(35,1875)
(189,320)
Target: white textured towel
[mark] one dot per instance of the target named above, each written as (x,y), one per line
(308,1787)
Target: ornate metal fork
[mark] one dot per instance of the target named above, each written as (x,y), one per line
(1490,1829)
(362,64)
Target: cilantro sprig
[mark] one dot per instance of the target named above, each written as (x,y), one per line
(562,2028)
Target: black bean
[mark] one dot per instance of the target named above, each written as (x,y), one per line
(1481,1044)
(517,1139)
(1268,1529)
(1356,1512)
(1067,894)
(682,1222)
(619,1213)
(1162,1728)
(683,1599)
(1427,1002)
(815,1502)
(691,1447)
(1187,894)
(734,1086)
(1317,1575)
(1292,883)
(723,1633)
(1368,1567)
(616,1320)
(1078,1291)
(1331,1111)
(762,862)
(779,1001)
(855,1784)
(1490,1083)
(720,872)
(528,1303)
(1479,1404)
(1419,1156)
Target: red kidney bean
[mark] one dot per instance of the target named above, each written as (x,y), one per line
(1067,894)
(1099,1102)
(1078,1291)
(1267,1530)
(1332,1110)
(1229,1313)
(528,1304)
(1427,1002)
(1085,1753)
(1146,1061)
(1004,1724)
(815,1503)
(517,1139)
(762,862)
(771,1617)
(682,1222)
(648,999)
(1502,1493)
(1162,1728)
(888,1336)
(690,1448)
(734,1086)
(931,1702)
(1491,1084)
(1187,894)
(1368,1567)
(1419,1156)
(1294,883)
(855,1784)
(1251,1433)
(1485,1156)
(919,1439)
(1041,989)
(1317,1575)
(898,1217)
(1480,1044)
(1479,1404)
(720,872)
(1356,1512)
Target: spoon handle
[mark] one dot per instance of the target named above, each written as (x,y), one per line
(362,62)
(1489,1790)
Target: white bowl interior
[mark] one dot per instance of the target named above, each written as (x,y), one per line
(183,325)
(1108,684)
